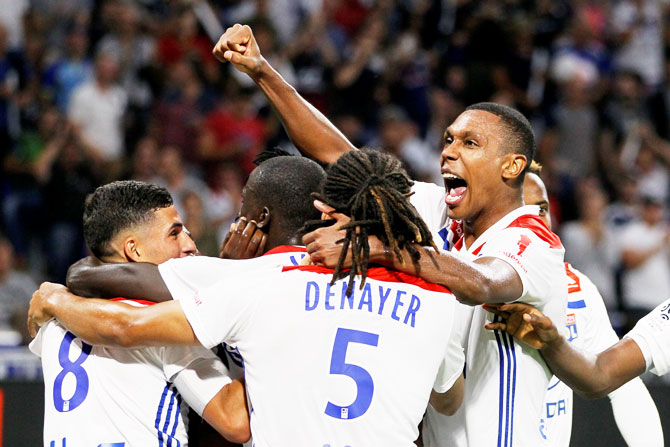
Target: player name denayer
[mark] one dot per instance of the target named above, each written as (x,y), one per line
(389,301)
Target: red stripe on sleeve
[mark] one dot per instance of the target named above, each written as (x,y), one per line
(537,226)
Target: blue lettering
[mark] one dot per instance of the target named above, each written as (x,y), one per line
(561,407)
(315,286)
(413,308)
(345,297)
(551,409)
(327,298)
(382,298)
(398,303)
(366,298)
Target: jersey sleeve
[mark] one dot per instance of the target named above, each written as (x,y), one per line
(652,335)
(453,361)
(600,334)
(185,275)
(201,380)
(538,263)
(428,199)
(221,312)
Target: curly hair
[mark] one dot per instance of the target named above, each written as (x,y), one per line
(373,189)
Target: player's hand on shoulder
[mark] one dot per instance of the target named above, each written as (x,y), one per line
(38,313)
(525,323)
(238,46)
(244,240)
(324,244)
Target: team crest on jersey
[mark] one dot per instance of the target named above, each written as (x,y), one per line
(665,312)
(524,242)
(571,324)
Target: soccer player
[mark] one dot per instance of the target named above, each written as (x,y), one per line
(276,203)
(96,395)
(590,329)
(506,253)
(342,336)
(644,348)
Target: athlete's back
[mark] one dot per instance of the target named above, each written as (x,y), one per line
(323,368)
(97,396)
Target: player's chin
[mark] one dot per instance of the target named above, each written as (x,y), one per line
(457,212)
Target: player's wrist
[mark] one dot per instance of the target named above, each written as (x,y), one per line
(379,253)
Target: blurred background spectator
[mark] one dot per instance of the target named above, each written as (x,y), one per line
(97,90)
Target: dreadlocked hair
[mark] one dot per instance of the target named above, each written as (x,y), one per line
(373,189)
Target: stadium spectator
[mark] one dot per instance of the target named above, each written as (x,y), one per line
(591,243)
(70,70)
(96,112)
(644,245)
(16,288)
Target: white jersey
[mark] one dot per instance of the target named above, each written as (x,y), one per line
(505,381)
(97,396)
(327,363)
(428,199)
(589,329)
(652,335)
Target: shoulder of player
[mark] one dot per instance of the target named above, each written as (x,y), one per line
(377,273)
(533,227)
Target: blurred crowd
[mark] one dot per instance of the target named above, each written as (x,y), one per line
(98,90)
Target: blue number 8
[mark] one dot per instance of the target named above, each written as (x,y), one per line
(81,390)
(365,385)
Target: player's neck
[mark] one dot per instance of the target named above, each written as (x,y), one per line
(275,240)
(487,217)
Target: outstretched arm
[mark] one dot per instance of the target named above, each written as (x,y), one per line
(308,128)
(91,277)
(486,280)
(589,375)
(110,323)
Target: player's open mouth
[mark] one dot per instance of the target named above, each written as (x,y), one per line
(456,188)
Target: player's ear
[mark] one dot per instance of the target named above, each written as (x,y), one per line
(131,249)
(264,218)
(513,166)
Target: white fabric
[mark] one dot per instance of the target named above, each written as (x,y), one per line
(590,330)
(295,345)
(493,357)
(636,415)
(99,113)
(129,395)
(647,284)
(428,199)
(652,335)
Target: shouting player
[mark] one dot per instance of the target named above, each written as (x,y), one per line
(103,396)
(506,253)
(343,336)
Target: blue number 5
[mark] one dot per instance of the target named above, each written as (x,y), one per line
(365,385)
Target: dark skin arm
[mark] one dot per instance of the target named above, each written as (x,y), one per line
(308,128)
(90,277)
(486,280)
(228,413)
(591,376)
(450,401)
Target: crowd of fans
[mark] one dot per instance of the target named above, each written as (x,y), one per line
(97,90)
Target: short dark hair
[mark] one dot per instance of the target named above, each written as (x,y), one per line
(522,140)
(285,183)
(116,206)
(373,189)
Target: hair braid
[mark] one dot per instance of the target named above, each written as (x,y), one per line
(373,189)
